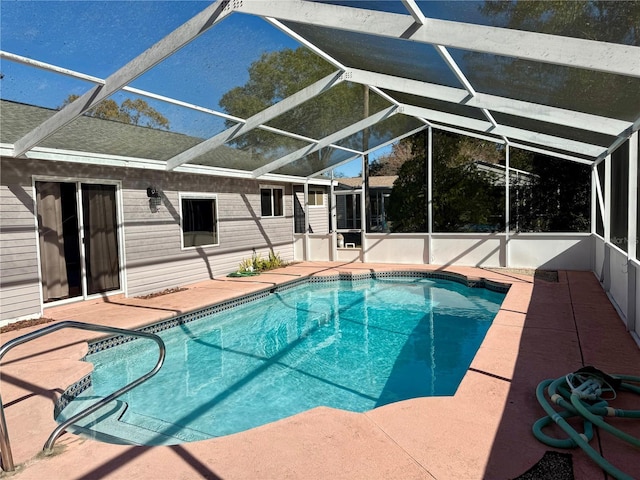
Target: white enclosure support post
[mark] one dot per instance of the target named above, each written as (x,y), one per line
(633,197)
(507,210)
(307,246)
(606,220)
(430,193)
(363,214)
(632,268)
(333,221)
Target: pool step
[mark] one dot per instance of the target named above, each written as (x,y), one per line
(161,430)
(114,423)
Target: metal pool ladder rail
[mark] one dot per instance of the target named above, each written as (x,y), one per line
(5,446)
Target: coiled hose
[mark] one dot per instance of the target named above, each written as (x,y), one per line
(586,401)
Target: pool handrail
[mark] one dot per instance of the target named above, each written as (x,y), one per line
(5,445)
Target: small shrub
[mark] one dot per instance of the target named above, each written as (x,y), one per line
(257,264)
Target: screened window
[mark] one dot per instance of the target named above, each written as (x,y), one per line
(316,198)
(468,185)
(548,194)
(348,211)
(620,196)
(271,202)
(199,221)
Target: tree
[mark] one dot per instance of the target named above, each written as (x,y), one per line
(556,199)
(134,112)
(573,88)
(466,197)
(391,163)
(408,201)
(280,74)
(602,20)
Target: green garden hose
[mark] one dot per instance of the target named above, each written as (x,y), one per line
(583,398)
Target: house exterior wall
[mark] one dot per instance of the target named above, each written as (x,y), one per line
(20,295)
(153,258)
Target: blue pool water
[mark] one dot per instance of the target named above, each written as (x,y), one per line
(349,345)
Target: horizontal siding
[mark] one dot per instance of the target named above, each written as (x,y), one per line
(11,249)
(22,237)
(19,281)
(19,294)
(155,260)
(151,234)
(319,219)
(23,261)
(19,302)
(19,275)
(160,276)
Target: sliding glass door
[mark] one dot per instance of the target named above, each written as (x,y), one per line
(78,233)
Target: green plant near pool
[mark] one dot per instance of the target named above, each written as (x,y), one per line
(257,264)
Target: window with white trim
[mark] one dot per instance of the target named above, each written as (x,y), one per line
(199,220)
(272,201)
(316,198)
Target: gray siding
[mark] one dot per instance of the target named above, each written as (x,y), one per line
(19,281)
(151,235)
(319,217)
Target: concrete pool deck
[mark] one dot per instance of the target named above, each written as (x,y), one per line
(543,330)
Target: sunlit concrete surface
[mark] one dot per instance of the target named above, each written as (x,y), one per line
(543,330)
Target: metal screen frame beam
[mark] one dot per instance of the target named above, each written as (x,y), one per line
(256,120)
(543,113)
(326,141)
(538,47)
(136,67)
(484,126)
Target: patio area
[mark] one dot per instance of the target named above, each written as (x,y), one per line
(543,330)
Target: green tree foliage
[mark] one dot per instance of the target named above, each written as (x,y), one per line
(407,211)
(468,193)
(590,91)
(556,199)
(278,75)
(604,20)
(547,194)
(466,197)
(134,112)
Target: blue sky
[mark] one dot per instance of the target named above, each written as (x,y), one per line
(98,37)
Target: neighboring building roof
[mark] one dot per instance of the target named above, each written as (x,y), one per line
(385,181)
(516,176)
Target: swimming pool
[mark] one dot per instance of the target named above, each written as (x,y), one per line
(353,345)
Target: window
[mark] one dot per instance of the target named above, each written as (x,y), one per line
(199,221)
(348,211)
(316,198)
(271,202)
